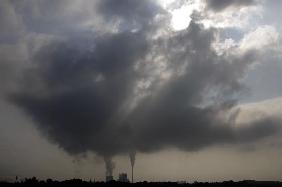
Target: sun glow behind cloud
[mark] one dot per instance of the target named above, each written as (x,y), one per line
(181,14)
(181,18)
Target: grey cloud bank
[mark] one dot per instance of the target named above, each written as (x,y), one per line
(80,87)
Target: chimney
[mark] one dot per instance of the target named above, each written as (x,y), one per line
(132,174)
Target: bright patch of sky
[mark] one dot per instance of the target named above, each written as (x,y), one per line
(181,14)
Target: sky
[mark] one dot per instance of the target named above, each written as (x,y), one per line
(180,89)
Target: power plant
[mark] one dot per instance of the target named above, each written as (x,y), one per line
(123,177)
(109,178)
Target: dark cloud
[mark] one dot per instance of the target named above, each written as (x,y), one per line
(172,117)
(79,90)
(131,11)
(133,15)
(219,5)
(79,87)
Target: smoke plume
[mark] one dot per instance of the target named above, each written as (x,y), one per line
(110,166)
(133,86)
(132,155)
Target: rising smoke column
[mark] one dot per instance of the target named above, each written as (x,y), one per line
(110,166)
(132,156)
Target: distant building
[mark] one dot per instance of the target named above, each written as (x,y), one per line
(123,177)
(109,178)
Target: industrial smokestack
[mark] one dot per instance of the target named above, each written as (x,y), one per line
(132,173)
(132,161)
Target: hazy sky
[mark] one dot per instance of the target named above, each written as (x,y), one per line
(188,89)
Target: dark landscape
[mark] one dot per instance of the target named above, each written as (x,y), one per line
(78,182)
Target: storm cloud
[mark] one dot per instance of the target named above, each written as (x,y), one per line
(77,95)
(136,90)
